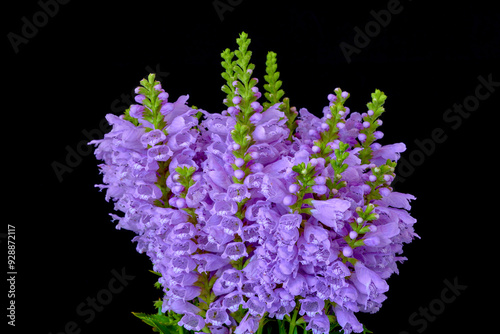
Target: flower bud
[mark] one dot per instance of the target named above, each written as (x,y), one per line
(347,251)
(257,167)
(139,98)
(293,188)
(239,162)
(289,199)
(236,100)
(180,203)
(178,189)
(320,180)
(239,174)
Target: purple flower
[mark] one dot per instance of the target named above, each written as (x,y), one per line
(237,208)
(192,322)
(273,189)
(213,168)
(319,324)
(217,316)
(311,306)
(249,324)
(183,230)
(232,277)
(209,262)
(255,306)
(233,300)
(347,320)
(222,287)
(183,264)
(235,250)
(181,140)
(290,221)
(179,306)
(250,233)
(160,153)
(185,293)
(382,235)
(398,200)
(296,285)
(237,192)
(368,282)
(391,152)
(183,247)
(153,137)
(147,191)
(231,224)
(331,212)
(218,330)
(270,133)
(224,208)
(136,111)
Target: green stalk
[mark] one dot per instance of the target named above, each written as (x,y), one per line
(292,323)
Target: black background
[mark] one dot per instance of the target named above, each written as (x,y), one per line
(85,60)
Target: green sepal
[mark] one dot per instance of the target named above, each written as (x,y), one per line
(364,230)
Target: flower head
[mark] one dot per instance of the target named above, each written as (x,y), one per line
(251,212)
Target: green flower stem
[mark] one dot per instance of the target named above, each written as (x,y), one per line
(263,321)
(380,172)
(291,114)
(376,106)
(327,137)
(161,182)
(292,322)
(305,181)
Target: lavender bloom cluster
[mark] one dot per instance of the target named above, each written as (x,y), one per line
(246,215)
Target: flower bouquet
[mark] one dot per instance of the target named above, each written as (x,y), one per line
(256,222)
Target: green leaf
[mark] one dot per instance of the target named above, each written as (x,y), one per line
(160,322)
